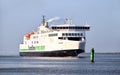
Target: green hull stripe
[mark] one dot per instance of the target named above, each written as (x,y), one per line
(40,47)
(23,50)
(37,48)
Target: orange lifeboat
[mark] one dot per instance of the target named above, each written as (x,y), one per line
(28,35)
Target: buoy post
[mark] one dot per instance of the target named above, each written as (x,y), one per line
(92,55)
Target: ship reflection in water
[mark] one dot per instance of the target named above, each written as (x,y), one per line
(105,64)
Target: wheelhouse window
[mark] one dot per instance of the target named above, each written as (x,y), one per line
(72,34)
(51,35)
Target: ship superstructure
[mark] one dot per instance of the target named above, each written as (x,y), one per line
(55,40)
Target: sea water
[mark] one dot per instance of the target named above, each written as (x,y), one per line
(105,64)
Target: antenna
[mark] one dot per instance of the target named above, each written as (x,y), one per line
(68,21)
(43,19)
(86,23)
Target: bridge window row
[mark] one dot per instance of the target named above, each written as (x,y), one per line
(71,27)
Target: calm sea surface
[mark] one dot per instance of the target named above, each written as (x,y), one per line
(105,64)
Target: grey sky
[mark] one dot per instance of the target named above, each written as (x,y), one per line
(17,17)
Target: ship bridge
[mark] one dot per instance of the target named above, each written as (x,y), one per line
(71,32)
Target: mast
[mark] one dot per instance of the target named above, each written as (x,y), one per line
(43,20)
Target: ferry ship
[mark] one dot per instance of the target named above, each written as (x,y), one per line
(55,40)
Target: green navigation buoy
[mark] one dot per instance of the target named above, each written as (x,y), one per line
(92,55)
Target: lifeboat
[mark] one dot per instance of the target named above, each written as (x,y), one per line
(28,35)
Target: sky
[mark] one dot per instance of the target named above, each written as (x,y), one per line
(18,17)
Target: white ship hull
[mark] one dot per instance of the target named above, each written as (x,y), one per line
(61,48)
